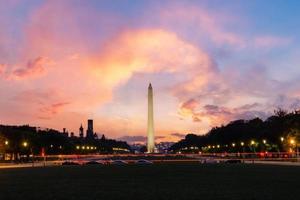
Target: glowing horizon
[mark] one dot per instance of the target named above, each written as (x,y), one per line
(63,62)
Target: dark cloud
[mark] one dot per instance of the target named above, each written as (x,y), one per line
(137,138)
(285,102)
(179,135)
(133,139)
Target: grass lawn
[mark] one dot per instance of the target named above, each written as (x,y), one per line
(159,181)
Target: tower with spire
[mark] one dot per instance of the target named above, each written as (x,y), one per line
(81,131)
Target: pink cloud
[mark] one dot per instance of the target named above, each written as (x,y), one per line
(49,111)
(214,27)
(34,68)
(42,104)
(216,115)
(204,23)
(188,109)
(270,41)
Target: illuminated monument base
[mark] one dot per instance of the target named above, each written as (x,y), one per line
(150,132)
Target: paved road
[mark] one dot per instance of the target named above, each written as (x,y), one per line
(22,165)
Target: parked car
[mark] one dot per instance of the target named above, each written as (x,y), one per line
(209,161)
(233,161)
(94,162)
(119,162)
(143,162)
(70,162)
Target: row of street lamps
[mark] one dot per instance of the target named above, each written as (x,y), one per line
(86,147)
(83,147)
(252,142)
(24,144)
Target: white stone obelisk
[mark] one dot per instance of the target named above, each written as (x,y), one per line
(150,132)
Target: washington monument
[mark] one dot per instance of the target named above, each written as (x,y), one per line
(150,142)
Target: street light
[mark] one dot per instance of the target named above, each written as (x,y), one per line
(294,143)
(264,141)
(233,144)
(25,144)
(252,143)
(282,139)
(242,143)
(6,142)
(77,147)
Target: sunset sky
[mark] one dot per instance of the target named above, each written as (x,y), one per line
(210,62)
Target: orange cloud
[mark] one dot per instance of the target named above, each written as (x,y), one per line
(146,50)
(2,69)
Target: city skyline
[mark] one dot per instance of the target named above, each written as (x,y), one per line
(210,63)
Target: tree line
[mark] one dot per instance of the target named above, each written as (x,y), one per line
(28,140)
(279,132)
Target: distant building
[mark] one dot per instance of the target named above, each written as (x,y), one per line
(163,147)
(65,132)
(81,131)
(90,130)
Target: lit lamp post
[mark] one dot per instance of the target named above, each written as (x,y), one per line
(265,146)
(294,143)
(252,143)
(242,145)
(297,150)
(6,146)
(25,144)
(280,148)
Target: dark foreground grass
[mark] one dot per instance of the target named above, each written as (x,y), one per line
(159,181)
